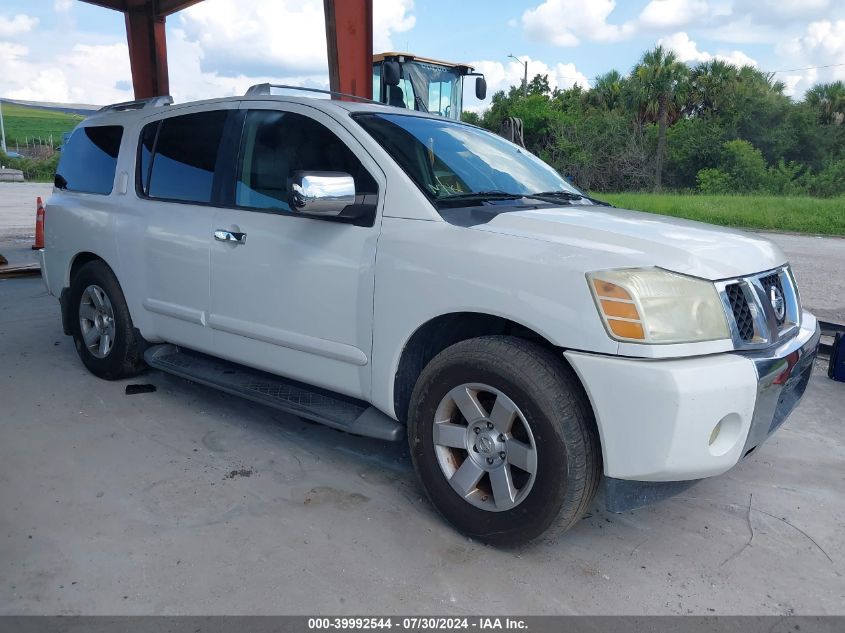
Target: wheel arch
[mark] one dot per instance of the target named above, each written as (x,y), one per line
(79,260)
(76,263)
(442,331)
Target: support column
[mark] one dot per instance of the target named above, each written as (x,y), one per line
(147,52)
(349,42)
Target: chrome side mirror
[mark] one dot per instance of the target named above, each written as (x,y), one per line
(321,193)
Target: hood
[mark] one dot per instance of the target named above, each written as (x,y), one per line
(634,238)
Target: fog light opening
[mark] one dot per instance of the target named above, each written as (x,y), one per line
(725,434)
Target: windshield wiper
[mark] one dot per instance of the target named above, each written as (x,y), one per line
(568,195)
(482,195)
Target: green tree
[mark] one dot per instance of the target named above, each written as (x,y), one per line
(656,82)
(692,144)
(539,85)
(468,116)
(608,91)
(828,100)
(712,87)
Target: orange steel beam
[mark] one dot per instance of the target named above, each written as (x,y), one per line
(349,41)
(145,34)
(147,53)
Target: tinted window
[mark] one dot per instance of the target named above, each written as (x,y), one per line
(184,157)
(145,154)
(89,159)
(446,158)
(276,144)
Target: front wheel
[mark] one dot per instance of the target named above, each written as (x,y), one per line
(503,439)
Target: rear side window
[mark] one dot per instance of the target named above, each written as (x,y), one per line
(89,159)
(178,156)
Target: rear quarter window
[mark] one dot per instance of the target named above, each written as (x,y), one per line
(89,159)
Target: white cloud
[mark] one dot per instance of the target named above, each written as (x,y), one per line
(280,38)
(62,6)
(189,82)
(16,25)
(390,17)
(769,21)
(776,11)
(565,22)
(503,75)
(87,74)
(687,51)
(670,14)
(821,44)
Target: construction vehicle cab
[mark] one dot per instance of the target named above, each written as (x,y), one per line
(426,85)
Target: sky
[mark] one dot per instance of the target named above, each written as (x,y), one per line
(71,52)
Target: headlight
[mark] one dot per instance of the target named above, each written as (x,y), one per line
(651,305)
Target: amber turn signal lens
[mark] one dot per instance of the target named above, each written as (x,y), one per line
(611,291)
(620,309)
(626,329)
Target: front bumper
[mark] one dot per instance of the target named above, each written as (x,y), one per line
(689,418)
(783,374)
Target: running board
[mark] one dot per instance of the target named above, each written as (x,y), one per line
(312,403)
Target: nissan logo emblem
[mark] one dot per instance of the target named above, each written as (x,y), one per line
(777,301)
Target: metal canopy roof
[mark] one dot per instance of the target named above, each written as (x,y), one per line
(161,8)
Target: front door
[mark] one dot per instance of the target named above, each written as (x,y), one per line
(290,294)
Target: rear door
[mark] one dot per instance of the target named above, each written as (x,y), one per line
(165,235)
(295,297)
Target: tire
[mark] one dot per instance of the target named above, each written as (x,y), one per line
(550,414)
(98,308)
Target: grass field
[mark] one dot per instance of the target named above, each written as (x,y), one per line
(824,216)
(22,122)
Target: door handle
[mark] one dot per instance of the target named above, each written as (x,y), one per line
(229,236)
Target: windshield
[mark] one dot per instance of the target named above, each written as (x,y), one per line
(437,89)
(448,159)
(423,87)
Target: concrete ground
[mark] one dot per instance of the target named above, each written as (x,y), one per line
(188,501)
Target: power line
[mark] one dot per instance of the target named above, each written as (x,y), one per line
(792,70)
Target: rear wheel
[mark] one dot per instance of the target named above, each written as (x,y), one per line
(101,325)
(503,439)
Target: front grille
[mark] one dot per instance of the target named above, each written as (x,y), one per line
(773,280)
(752,306)
(741,311)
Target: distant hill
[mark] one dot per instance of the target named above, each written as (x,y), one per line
(23,123)
(84,109)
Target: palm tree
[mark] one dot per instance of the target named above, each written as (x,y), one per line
(712,86)
(607,91)
(658,78)
(829,100)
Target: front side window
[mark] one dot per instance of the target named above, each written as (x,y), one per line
(178,156)
(89,159)
(276,144)
(446,158)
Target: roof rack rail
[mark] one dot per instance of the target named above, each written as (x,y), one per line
(138,104)
(264,89)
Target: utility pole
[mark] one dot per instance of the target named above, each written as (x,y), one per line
(2,129)
(525,75)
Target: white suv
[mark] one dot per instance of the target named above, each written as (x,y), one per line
(380,270)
